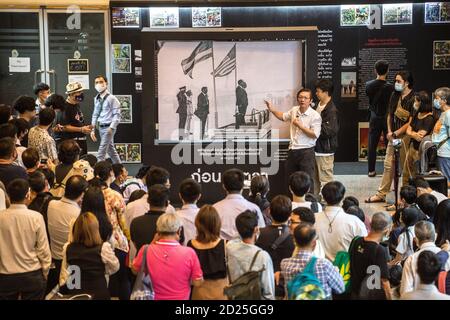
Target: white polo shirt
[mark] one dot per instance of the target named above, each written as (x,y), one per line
(311,119)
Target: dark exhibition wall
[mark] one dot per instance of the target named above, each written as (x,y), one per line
(339,46)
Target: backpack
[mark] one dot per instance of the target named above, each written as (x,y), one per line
(80,168)
(129,183)
(305,285)
(442,282)
(247,286)
(342,261)
(143,287)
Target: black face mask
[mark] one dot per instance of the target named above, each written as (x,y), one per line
(80,97)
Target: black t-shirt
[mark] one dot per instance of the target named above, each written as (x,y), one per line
(74,117)
(407,104)
(364,254)
(267,237)
(373,87)
(115,187)
(143,228)
(426,124)
(9,172)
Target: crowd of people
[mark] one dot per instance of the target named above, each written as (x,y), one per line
(74,224)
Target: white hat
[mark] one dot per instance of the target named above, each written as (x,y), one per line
(74,87)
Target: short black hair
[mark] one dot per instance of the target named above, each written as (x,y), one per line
(22,125)
(136,195)
(233,180)
(246,222)
(348,202)
(406,76)
(280,208)
(75,187)
(30,158)
(158,196)
(17,190)
(89,157)
(37,181)
(304,234)
(5,113)
(8,130)
(117,169)
(333,192)
(24,103)
(190,190)
(428,267)
(156,175)
(46,116)
(7,147)
(305,214)
(409,194)
(428,204)
(49,176)
(410,216)
(300,183)
(382,67)
(55,101)
(425,102)
(357,212)
(69,151)
(101,76)
(326,85)
(103,170)
(305,90)
(142,171)
(420,182)
(40,87)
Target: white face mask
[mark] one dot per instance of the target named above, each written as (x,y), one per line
(100,87)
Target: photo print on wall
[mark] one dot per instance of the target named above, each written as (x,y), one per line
(352,15)
(164,17)
(129,152)
(126,108)
(400,13)
(441,55)
(121,58)
(206,17)
(125,17)
(437,12)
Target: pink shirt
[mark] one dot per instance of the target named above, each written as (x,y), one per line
(172,267)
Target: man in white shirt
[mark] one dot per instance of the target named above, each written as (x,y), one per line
(60,216)
(335,228)
(299,185)
(423,187)
(25,256)
(304,130)
(425,235)
(190,193)
(234,204)
(428,268)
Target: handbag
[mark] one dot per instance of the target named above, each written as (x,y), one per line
(143,287)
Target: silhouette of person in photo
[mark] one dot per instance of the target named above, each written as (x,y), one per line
(241,103)
(182,111)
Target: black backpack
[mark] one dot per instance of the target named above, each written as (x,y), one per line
(247,286)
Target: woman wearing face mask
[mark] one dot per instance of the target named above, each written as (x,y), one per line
(441,130)
(421,125)
(399,117)
(73,121)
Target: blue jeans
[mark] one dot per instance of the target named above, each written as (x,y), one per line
(444,165)
(107,146)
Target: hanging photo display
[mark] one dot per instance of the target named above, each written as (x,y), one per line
(129,152)
(348,84)
(437,12)
(400,13)
(206,17)
(164,18)
(121,58)
(126,108)
(358,15)
(441,55)
(125,17)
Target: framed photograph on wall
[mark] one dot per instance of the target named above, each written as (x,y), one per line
(363,143)
(355,15)
(129,152)
(164,17)
(400,13)
(125,17)
(126,108)
(437,12)
(441,55)
(121,58)
(205,17)
(348,84)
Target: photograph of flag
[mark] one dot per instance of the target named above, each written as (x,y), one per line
(227,65)
(202,52)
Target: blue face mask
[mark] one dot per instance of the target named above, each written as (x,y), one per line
(436,104)
(399,87)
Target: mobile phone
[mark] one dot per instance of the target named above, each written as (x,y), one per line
(44,161)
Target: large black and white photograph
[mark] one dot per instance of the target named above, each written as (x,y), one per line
(126,108)
(212,90)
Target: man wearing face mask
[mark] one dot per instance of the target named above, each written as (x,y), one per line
(107,114)
(42,91)
(399,117)
(73,120)
(441,131)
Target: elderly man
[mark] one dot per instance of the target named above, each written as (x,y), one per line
(441,129)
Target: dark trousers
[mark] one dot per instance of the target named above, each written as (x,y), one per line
(240,116)
(203,127)
(182,124)
(119,283)
(53,276)
(377,126)
(301,160)
(26,286)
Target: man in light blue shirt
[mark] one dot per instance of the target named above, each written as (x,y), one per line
(441,132)
(107,114)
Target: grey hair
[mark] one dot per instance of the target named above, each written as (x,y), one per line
(380,221)
(443,92)
(424,230)
(168,223)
